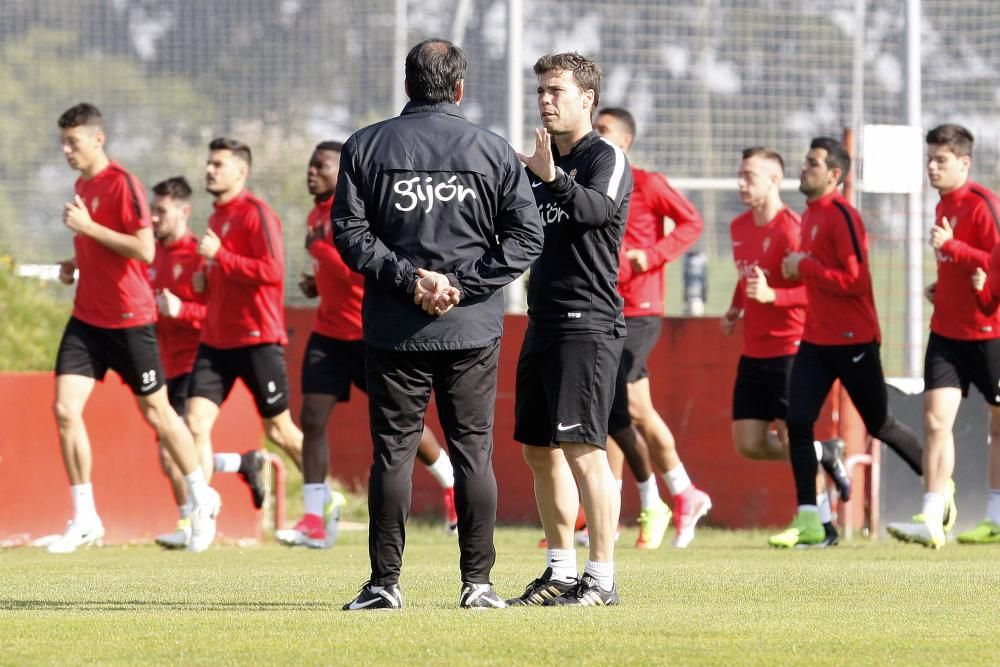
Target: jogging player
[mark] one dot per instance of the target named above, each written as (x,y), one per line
(647,249)
(964,343)
(841,338)
(773,310)
(437,232)
(572,348)
(334,360)
(112,326)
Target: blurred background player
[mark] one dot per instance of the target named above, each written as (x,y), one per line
(334,359)
(964,343)
(244,328)
(773,311)
(112,327)
(646,250)
(841,338)
(178,331)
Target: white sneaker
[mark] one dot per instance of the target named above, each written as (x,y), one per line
(78,535)
(331,513)
(921,532)
(203,525)
(178,539)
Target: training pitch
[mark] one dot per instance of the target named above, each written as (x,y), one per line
(726,600)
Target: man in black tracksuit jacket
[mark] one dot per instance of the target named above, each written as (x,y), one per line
(436,212)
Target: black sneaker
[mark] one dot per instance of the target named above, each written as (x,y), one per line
(252,472)
(831,539)
(586,593)
(833,463)
(479,596)
(541,589)
(390,597)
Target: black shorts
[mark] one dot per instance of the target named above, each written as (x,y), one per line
(643,332)
(131,352)
(565,386)
(959,363)
(761,389)
(261,367)
(178,390)
(330,366)
(619,417)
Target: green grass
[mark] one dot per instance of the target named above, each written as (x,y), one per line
(726,600)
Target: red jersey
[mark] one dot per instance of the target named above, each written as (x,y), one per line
(173,268)
(653,200)
(340,289)
(246,281)
(769,329)
(972,213)
(841,308)
(113,292)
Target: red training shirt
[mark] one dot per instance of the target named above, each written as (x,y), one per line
(340,289)
(113,291)
(173,268)
(653,200)
(246,281)
(972,213)
(841,308)
(769,329)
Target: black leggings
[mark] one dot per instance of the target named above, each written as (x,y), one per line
(859,369)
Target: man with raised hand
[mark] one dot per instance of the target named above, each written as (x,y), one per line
(437,232)
(112,326)
(569,360)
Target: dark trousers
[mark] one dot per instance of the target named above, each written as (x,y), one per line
(859,369)
(399,387)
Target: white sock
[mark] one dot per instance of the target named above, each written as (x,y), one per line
(808,508)
(442,471)
(562,562)
(619,486)
(198,488)
(823,503)
(314,497)
(677,480)
(933,508)
(227,462)
(604,573)
(993,506)
(84,510)
(185,510)
(649,493)
(819,450)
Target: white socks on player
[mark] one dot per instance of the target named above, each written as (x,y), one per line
(562,562)
(933,508)
(993,506)
(198,488)
(442,471)
(649,493)
(823,503)
(314,497)
(227,462)
(677,480)
(819,450)
(808,508)
(84,510)
(604,573)
(185,510)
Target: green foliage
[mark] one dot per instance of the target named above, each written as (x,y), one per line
(727,600)
(32,318)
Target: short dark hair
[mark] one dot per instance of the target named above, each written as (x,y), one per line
(837,156)
(622,115)
(83,113)
(335,146)
(957,138)
(433,69)
(175,188)
(586,72)
(765,153)
(236,147)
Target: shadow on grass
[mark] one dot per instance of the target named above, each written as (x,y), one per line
(168,605)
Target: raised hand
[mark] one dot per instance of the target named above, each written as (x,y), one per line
(76,216)
(541,162)
(209,245)
(757,287)
(941,234)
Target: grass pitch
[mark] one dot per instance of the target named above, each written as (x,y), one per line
(726,600)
